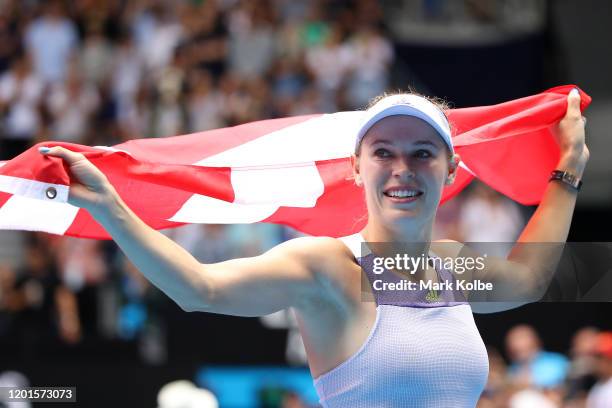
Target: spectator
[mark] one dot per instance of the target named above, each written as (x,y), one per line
(126,74)
(96,56)
(205,103)
(252,43)
(317,27)
(583,366)
(139,315)
(51,40)
(208,37)
(72,105)
(237,101)
(169,112)
(80,262)
(488,217)
(135,117)
(329,63)
(21,92)
(8,35)
(288,78)
(601,394)
(288,81)
(370,56)
(289,40)
(530,365)
(45,304)
(157,25)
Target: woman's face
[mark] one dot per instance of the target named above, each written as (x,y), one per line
(403,165)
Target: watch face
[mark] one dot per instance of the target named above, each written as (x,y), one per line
(570,178)
(567,178)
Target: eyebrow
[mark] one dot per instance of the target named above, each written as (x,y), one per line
(418,142)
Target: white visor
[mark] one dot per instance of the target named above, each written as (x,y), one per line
(410,105)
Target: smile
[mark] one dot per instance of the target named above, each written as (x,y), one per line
(403,194)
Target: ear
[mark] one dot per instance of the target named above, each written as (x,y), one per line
(453,165)
(356,174)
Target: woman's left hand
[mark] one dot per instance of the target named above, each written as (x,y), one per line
(570,134)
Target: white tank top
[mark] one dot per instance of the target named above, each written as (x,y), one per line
(421,352)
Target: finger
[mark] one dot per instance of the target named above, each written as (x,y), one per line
(58,151)
(573,104)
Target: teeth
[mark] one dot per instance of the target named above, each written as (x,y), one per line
(402,193)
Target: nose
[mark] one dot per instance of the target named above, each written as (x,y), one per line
(403,169)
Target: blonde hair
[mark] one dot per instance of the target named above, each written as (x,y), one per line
(442,104)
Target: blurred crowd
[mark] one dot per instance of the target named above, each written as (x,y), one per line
(535,377)
(104,72)
(101,73)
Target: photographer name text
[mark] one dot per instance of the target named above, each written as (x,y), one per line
(460,284)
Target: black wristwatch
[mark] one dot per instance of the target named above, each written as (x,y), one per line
(567,178)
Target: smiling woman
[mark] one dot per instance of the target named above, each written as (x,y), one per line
(419,350)
(404,156)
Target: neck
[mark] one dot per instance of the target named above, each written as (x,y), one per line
(409,238)
(376,231)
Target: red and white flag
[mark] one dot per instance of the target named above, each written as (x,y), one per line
(292,171)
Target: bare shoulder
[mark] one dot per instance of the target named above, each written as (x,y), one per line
(330,264)
(296,273)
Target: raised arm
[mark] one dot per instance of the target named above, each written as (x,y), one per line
(540,245)
(280,278)
(526,273)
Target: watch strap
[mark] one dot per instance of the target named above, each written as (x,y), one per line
(567,178)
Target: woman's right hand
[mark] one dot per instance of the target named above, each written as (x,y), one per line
(90,188)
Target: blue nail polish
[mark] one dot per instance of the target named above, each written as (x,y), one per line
(44,149)
(575,91)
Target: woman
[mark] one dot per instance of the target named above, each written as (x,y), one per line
(415,352)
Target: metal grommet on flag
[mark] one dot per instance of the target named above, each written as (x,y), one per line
(51,193)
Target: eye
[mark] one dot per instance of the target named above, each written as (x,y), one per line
(423,154)
(382,153)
